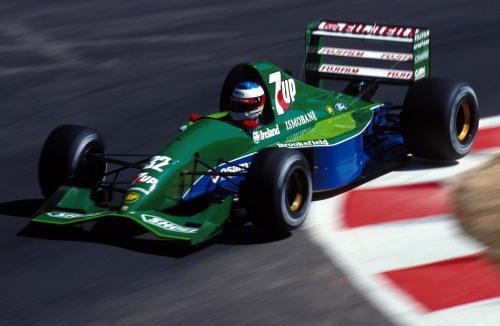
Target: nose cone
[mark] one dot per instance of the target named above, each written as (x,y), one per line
(155,187)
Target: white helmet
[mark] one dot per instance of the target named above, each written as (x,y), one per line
(247,102)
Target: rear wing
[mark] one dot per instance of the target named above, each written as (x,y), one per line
(359,51)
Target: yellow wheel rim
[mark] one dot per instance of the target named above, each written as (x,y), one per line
(296,203)
(463,121)
(296,189)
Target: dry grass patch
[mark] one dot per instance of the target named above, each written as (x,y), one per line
(477,205)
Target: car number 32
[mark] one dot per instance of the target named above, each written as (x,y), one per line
(157,163)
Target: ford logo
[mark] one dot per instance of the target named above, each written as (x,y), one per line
(341,106)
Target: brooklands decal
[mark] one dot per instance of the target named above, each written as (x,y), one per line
(166,225)
(284,92)
(307,143)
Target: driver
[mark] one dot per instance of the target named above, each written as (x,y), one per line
(247,102)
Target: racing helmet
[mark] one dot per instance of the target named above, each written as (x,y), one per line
(247,101)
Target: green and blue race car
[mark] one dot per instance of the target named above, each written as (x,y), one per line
(307,138)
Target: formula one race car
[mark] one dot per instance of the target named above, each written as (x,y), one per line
(305,139)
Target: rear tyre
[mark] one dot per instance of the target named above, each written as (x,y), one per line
(277,192)
(65,155)
(440,119)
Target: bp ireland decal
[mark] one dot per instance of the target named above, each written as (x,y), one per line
(284,92)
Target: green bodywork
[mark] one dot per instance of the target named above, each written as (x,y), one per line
(312,119)
(296,115)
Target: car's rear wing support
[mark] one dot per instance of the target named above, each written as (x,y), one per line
(366,52)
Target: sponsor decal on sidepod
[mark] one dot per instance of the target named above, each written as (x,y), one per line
(301,120)
(307,143)
(259,135)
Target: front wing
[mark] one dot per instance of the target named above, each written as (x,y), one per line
(195,229)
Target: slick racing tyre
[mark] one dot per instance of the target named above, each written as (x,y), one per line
(277,191)
(65,155)
(440,119)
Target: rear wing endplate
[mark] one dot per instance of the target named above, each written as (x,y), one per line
(359,51)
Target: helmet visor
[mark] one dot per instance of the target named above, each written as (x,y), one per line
(240,105)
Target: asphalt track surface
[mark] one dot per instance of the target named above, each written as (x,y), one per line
(134,71)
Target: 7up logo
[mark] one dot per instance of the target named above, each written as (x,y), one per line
(284,93)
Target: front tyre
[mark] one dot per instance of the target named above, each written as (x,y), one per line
(65,155)
(278,190)
(440,119)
